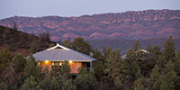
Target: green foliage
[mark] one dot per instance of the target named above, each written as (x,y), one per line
(82,46)
(178,55)
(97,54)
(19,62)
(168,78)
(136,46)
(45,36)
(99,69)
(48,37)
(149,48)
(134,69)
(155,74)
(30,84)
(67,43)
(170,66)
(107,52)
(11,78)
(138,74)
(85,82)
(66,71)
(5,58)
(129,56)
(50,81)
(141,84)
(117,67)
(161,61)
(53,81)
(51,45)
(118,83)
(169,49)
(177,62)
(33,48)
(31,68)
(156,50)
(3,86)
(68,85)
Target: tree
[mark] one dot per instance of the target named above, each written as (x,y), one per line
(97,54)
(169,49)
(47,37)
(31,69)
(3,86)
(107,52)
(82,46)
(149,48)
(85,82)
(15,25)
(136,46)
(67,85)
(118,83)
(154,52)
(168,78)
(51,45)
(30,84)
(19,62)
(5,58)
(155,74)
(168,81)
(134,69)
(177,62)
(99,69)
(129,56)
(11,78)
(117,67)
(161,62)
(141,84)
(66,71)
(50,81)
(67,43)
(32,48)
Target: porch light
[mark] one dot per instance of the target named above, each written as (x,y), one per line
(46,61)
(70,61)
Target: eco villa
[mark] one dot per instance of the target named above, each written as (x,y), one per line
(54,57)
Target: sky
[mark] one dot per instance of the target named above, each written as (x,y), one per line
(69,8)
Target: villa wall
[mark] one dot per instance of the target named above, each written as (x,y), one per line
(74,66)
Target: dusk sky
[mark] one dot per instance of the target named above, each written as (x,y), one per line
(68,8)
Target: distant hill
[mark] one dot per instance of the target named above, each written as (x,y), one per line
(20,42)
(124,44)
(127,25)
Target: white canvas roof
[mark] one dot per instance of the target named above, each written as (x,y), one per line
(61,53)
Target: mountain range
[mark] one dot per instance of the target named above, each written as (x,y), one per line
(131,25)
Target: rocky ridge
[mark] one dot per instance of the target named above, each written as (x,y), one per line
(127,25)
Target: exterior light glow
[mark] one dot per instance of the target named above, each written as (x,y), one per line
(46,61)
(70,61)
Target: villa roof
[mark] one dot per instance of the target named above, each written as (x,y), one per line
(61,53)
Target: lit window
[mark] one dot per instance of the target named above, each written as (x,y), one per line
(52,63)
(60,64)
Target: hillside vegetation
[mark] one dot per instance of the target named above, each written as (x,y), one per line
(17,41)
